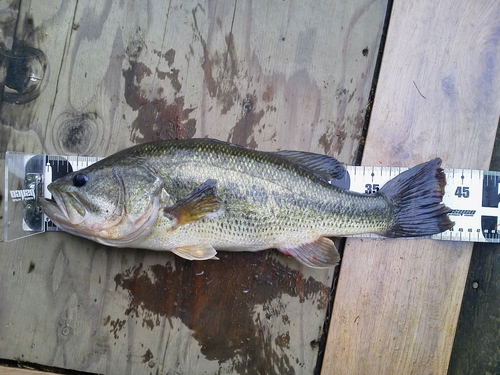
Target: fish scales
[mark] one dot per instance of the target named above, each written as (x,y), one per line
(266,202)
(194,197)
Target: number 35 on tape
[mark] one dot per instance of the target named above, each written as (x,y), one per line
(472,195)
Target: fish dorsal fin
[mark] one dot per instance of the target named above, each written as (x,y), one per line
(195,206)
(321,253)
(196,252)
(324,167)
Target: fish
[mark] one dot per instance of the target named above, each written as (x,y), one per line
(195,197)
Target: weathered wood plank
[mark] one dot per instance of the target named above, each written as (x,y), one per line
(475,348)
(8,17)
(246,83)
(37,52)
(438,95)
(265,75)
(18,371)
(9,10)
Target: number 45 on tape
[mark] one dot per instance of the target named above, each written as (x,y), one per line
(472,195)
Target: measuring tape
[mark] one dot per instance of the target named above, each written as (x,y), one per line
(473,195)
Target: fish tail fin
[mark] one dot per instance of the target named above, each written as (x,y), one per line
(416,196)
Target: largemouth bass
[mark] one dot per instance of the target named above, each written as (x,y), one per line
(196,196)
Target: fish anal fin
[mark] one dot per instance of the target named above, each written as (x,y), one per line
(196,252)
(201,202)
(321,253)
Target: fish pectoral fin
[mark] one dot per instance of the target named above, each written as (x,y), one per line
(201,202)
(196,252)
(321,253)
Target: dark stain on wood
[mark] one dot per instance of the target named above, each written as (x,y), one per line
(216,300)
(116,326)
(220,70)
(107,320)
(148,356)
(244,130)
(173,74)
(75,134)
(169,56)
(268,95)
(156,119)
(334,139)
(31,267)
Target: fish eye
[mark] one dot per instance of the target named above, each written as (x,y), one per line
(80,180)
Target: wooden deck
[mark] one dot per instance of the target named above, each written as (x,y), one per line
(271,75)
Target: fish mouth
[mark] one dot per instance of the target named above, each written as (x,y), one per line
(69,214)
(56,209)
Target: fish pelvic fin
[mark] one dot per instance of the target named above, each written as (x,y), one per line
(196,252)
(200,203)
(416,197)
(321,253)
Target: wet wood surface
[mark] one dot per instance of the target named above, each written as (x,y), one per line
(438,94)
(94,77)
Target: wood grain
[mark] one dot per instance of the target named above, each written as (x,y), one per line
(267,75)
(475,348)
(18,371)
(42,34)
(438,95)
